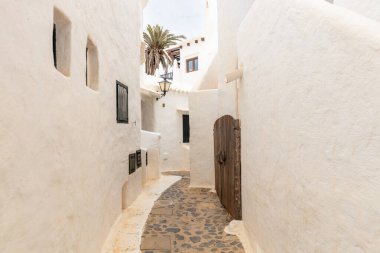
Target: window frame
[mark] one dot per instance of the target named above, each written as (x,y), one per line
(118,120)
(192,60)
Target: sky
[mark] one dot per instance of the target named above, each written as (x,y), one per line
(181,17)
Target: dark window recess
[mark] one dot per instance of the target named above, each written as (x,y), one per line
(121,102)
(138,157)
(55,45)
(186,128)
(132,163)
(146,158)
(86,66)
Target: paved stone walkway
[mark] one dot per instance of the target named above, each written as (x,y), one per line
(188,220)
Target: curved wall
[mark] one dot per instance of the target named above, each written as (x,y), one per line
(310,117)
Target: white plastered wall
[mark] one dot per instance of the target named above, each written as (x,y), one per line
(230,15)
(150,141)
(203,114)
(310,113)
(174,153)
(148,116)
(63,157)
(368,8)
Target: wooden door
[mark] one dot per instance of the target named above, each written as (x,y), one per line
(228,164)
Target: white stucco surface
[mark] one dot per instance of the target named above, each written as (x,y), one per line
(203,114)
(63,157)
(148,116)
(230,15)
(227,100)
(151,142)
(125,235)
(133,187)
(310,113)
(174,153)
(368,8)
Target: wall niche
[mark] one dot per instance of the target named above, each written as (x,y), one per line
(61,42)
(92,65)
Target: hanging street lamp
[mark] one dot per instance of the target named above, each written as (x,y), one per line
(164,86)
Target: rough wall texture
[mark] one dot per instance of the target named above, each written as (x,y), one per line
(203,114)
(227,100)
(310,113)
(63,158)
(368,8)
(174,153)
(148,117)
(230,15)
(151,142)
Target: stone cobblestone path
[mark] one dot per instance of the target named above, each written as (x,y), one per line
(188,220)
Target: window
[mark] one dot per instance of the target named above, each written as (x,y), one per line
(92,65)
(186,128)
(61,42)
(121,102)
(192,64)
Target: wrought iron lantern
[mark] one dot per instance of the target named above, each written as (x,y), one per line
(164,86)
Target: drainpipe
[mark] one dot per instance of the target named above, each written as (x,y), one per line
(232,77)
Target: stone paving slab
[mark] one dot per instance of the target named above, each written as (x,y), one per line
(161,211)
(162,243)
(196,223)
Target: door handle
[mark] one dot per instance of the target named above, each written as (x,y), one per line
(222,157)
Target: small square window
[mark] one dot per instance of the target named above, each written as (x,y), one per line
(192,64)
(121,103)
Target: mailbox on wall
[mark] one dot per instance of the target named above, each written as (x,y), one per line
(138,158)
(132,163)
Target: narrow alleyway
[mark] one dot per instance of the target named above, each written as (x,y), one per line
(188,220)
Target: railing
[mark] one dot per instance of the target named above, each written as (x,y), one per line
(168,76)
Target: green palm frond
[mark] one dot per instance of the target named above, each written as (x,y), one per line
(157,40)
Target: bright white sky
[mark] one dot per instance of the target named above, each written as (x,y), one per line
(179,16)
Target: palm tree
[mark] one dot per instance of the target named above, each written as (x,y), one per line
(157,40)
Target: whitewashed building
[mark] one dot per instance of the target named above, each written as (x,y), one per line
(64,167)
(308,106)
